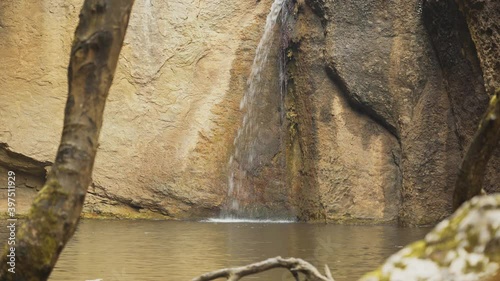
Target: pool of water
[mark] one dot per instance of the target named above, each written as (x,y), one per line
(159,250)
(170,250)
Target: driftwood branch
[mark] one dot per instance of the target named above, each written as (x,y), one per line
(294,265)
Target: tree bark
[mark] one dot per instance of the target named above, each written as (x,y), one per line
(56,210)
(471,174)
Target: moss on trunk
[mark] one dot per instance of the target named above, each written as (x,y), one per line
(481,19)
(56,210)
(471,174)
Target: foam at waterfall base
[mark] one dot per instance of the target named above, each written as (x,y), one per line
(240,220)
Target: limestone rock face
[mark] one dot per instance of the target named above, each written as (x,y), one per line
(385,109)
(173,109)
(383,98)
(348,163)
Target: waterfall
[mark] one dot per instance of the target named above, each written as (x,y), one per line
(245,142)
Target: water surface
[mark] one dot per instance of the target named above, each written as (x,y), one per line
(169,250)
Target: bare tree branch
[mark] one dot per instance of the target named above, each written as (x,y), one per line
(294,265)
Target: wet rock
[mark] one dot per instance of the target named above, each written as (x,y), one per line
(382,102)
(463,247)
(406,86)
(348,163)
(29,178)
(173,109)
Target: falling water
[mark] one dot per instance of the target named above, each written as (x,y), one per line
(245,142)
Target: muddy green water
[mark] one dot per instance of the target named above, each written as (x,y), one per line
(160,250)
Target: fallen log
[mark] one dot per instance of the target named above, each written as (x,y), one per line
(294,265)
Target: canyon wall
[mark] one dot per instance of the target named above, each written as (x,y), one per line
(173,110)
(387,96)
(383,98)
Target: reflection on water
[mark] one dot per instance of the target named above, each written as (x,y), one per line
(236,220)
(159,250)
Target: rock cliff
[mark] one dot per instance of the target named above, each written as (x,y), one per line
(173,108)
(383,99)
(391,97)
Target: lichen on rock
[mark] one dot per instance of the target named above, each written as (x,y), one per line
(462,247)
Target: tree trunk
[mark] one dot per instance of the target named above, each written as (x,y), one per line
(471,174)
(482,21)
(56,210)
